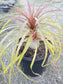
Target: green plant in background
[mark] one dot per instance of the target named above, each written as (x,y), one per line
(37,25)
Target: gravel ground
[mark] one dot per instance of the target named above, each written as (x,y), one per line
(50,76)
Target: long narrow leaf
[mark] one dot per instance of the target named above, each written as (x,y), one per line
(44,8)
(6,24)
(20,44)
(55,26)
(50,12)
(2,54)
(10,76)
(45,54)
(39,7)
(33,60)
(29,8)
(25,49)
(6,36)
(3,67)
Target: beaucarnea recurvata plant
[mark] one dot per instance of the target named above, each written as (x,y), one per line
(37,25)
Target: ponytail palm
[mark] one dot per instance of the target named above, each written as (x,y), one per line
(37,25)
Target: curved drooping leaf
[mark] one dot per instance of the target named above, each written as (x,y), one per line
(25,49)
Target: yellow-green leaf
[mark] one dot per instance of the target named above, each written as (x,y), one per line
(25,49)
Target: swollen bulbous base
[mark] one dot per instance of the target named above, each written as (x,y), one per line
(32,45)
